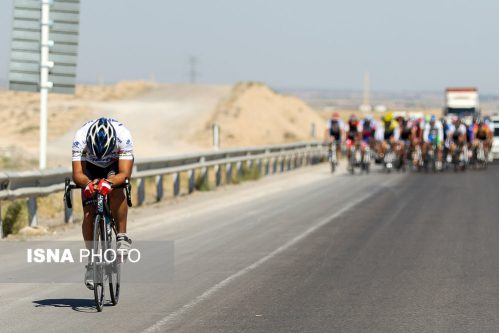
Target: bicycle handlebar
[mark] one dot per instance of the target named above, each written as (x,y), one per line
(69,186)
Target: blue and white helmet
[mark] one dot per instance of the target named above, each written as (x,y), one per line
(101,138)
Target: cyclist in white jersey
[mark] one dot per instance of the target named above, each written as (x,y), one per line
(103,156)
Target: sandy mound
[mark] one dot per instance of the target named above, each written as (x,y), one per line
(253,114)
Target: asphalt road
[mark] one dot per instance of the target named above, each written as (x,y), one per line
(303,252)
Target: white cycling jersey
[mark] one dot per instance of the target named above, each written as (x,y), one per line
(461,129)
(122,151)
(436,132)
(340,124)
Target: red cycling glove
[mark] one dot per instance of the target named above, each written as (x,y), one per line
(89,190)
(104,187)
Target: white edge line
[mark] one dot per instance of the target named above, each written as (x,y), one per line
(174,315)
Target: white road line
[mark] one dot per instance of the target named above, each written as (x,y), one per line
(160,325)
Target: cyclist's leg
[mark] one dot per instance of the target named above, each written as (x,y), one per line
(440,152)
(337,150)
(349,144)
(87,229)
(119,209)
(87,226)
(486,148)
(424,150)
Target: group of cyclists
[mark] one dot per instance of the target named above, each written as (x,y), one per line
(410,141)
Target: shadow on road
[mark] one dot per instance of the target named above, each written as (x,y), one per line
(76,304)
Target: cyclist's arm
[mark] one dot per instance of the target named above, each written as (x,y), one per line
(124,171)
(79,176)
(125,159)
(396,133)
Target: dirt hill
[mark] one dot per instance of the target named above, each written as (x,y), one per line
(253,114)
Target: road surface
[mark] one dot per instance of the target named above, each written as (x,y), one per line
(303,252)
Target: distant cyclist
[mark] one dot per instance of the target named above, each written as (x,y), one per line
(390,134)
(335,133)
(368,130)
(353,133)
(457,135)
(433,136)
(102,157)
(484,135)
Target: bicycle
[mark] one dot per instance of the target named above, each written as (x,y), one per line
(389,160)
(479,157)
(355,158)
(104,238)
(366,160)
(332,151)
(430,161)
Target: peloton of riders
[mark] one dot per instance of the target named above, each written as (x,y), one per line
(413,140)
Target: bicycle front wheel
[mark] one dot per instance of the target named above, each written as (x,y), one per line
(98,262)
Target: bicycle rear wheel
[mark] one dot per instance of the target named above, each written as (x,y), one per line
(114,273)
(98,262)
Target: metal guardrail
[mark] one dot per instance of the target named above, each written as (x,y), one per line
(269,160)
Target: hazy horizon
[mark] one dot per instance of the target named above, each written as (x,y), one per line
(321,44)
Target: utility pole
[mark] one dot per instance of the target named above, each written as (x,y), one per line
(45,85)
(366,88)
(193,71)
(366,106)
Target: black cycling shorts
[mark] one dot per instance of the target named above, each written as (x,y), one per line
(388,135)
(93,171)
(335,135)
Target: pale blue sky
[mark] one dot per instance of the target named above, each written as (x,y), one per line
(405,45)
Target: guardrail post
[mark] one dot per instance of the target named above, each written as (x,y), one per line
(1,224)
(290,159)
(218,175)
(192,181)
(204,171)
(159,188)
(267,167)
(249,164)
(283,162)
(307,155)
(274,167)
(33,220)
(239,169)
(259,167)
(141,191)
(228,173)
(176,184)
(68,212)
